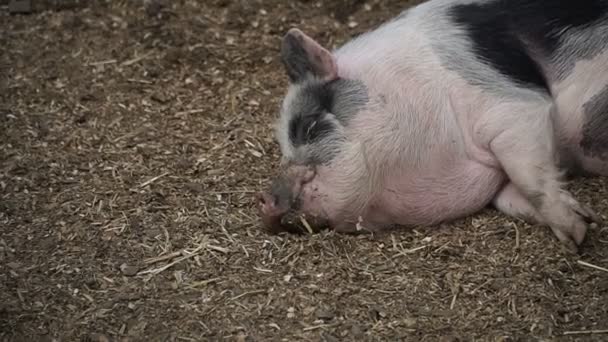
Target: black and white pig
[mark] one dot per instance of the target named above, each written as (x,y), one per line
(445,109)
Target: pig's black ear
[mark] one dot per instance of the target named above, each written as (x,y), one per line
(302,56)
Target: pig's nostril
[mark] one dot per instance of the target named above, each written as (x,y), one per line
(261,198)
(309,174)
(266,199)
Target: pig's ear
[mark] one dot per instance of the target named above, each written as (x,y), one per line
(302,56)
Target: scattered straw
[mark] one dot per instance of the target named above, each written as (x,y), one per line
(411,250)
(453,303)
(263,270)
(305,223)
(250,293)
(109,61)
(218,249)
(191,111)
(229,192)
(585,332)
(163,258)
(169,265)
(133,80)
(320,326)
(152,180)
(204,282)
(137,59)
(592,266)
(516,236)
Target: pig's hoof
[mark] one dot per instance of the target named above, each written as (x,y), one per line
(572,235)
(588,214)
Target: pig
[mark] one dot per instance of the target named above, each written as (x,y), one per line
(448,108)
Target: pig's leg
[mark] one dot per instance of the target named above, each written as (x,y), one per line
(510,201)
(526,150)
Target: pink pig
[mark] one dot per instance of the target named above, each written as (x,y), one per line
(443,110)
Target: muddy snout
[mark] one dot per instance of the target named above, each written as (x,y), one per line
(279,207)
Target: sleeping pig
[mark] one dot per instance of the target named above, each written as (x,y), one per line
(449,107)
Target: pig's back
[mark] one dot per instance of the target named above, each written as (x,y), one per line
(531,43)
(498,45)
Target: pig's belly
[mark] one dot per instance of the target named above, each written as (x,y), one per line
(426,198)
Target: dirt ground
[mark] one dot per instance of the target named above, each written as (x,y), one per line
(132,140)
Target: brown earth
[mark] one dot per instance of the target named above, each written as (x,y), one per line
(132,140)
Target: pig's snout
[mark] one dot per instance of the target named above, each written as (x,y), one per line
(275,204)
(279,208)
(277,216)
(270,211)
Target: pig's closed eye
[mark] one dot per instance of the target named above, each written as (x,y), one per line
(310,127)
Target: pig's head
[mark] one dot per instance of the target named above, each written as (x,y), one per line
(310,133)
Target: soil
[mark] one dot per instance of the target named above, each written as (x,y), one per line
(133,138)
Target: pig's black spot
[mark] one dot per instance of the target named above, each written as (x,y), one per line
(316,110)
(595,128)
(309,128)
(347,99)
(342,98)
(309,121)
(501,29)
